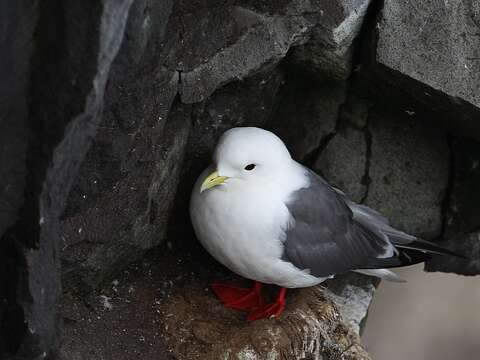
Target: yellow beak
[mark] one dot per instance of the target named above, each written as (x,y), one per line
(212,180)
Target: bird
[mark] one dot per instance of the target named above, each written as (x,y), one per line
(272,220)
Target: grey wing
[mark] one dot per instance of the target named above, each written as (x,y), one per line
(324,237)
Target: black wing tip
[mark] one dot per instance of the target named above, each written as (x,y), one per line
(424,245)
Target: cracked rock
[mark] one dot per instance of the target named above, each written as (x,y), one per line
(348,146)
(462,218)
(408,172)
(329,50)
(434,42)
(427,52)
(306,115)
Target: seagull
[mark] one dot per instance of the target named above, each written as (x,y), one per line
(272,220)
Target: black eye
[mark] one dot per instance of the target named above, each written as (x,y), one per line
(250,167)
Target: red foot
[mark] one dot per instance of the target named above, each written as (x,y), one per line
(270,310)
(239,298)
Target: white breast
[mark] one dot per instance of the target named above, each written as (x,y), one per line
(244,227)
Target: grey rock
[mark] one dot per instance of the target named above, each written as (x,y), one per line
(306,115)
(16,49)
(61,124)
(262,40)
(18,21)
(155,100)
(462,218)
(353,293)
(405,152)
(329,50)
(343,162)
(129,219)
(427,53)
(434,42)
(121,199)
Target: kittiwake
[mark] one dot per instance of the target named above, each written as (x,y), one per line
(270,219)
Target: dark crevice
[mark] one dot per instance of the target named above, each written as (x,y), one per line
(366,179)
(12,325)
(310,158)
(313,155)
(179,72)
(179,83)
(446,202)
(363,51)
(364,45)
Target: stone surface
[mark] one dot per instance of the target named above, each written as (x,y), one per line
(408,172)
(306,114)
(462,218)
(61,124)
(330,48)
(434,42)
(353,294)
(346,147)
(427,56)
(366,91)
(162,308)
(18,21)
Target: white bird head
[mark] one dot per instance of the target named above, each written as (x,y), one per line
(247,154)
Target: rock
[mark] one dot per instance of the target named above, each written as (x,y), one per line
(14,68)
(306,115)
(153,84)
(18,21)
(405,152)
(121,224)
(462,218)
(436,46)
(121,199)
(427,54)
(237,42)
(349,145)
(329,50)
(61,124)
(353,294)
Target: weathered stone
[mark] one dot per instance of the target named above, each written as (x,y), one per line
(353,294)
(408,172)
(427,56)
(122,196)
(306,114)
(18,21)
(347,147)
(329,50)
(16,47)
(434,42)
(260,40)
(185,72)
(61,124)
(343,162)
(462,218)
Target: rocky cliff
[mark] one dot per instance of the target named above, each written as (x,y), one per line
(110,109)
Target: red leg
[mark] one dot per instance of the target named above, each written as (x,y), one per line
(239,298)
(270,310)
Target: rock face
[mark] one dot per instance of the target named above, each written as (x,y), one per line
(462,218)
(438,45)
(426,55)
(57,130)
(121,102)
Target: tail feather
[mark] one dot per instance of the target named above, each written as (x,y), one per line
(379,225)
(382,274)
(428,247)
